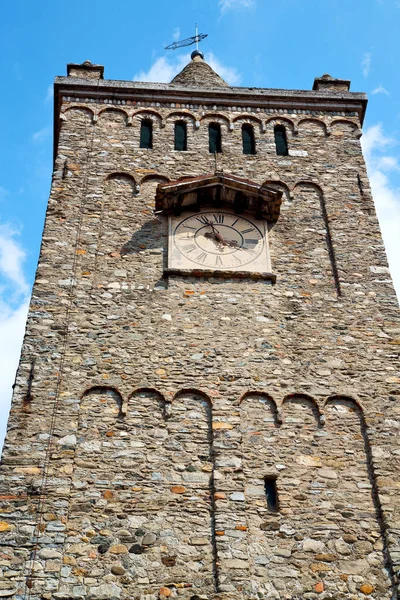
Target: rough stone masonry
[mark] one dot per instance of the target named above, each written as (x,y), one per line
(197,437)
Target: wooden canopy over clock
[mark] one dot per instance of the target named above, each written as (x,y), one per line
(217,190)
(218,226)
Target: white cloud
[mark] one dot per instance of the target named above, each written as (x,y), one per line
(13,309)
(12,327)
(366,63)
(164,69)
(374,139)
(3,192)
(49,94)
(380,90)
(42,134)
(388,163)
(386,195)
(176,34)
(230,74)
(235,4)
(12,257)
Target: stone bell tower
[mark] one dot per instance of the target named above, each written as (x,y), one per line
(207,403)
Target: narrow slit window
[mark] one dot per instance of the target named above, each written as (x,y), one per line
(146,134)
(180,136)
(281,141)
(271,494)
(214,138)
(249,145)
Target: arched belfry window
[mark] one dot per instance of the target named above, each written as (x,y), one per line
(146,134)
(180,136)
(249,144)
(280,140)
(214,138)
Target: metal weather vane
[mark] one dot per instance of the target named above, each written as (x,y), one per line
(195,39)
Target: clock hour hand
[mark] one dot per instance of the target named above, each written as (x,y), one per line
(217,238)
(216,234)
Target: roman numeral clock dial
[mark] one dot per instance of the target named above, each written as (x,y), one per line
(218,241)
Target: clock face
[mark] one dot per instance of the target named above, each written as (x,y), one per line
(218,240)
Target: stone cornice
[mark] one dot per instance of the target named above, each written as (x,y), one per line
(325,99)
(261,98)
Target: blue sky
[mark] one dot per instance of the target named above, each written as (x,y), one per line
(258,43)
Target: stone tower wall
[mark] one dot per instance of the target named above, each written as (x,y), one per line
(148,412)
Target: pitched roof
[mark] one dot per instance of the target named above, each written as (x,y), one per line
(191,193)
(199,74)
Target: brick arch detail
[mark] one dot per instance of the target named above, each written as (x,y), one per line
(151,391)
(78,108)
(307,399)
(277,183)
(146,390)
(277,120)
(307,183)
(217,117)
(147,113)
(194,391)
(154,176)
(344,398)
(98,389)
(120,175)
(275,408)
(319,122)
(113,109)
(245,119)
(345,122)
(180,115)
